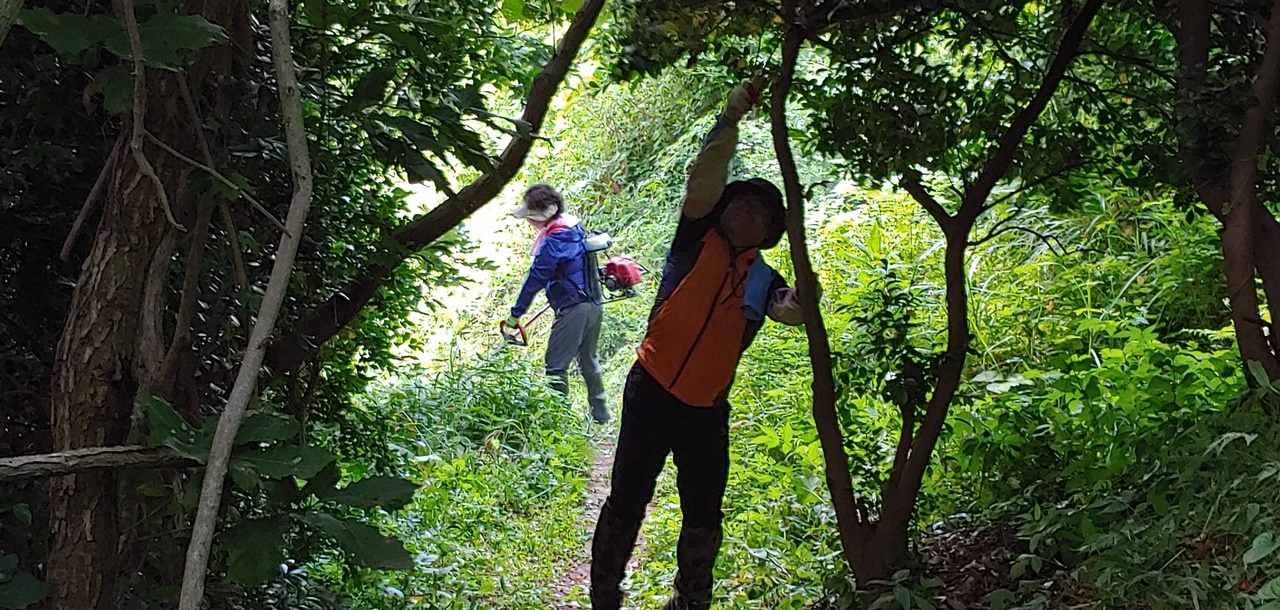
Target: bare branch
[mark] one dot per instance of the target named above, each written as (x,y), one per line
(77,461)
(1049,241)
(246,383)
(220,178)
(140,113)
(92,198)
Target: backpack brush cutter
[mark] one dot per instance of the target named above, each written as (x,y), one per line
(616,279)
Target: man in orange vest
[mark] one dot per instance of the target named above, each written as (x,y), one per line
(716,290)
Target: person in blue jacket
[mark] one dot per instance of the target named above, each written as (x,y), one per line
(559,269)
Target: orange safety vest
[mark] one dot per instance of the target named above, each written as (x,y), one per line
(695,336)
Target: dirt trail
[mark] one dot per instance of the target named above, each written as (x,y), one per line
(575,578)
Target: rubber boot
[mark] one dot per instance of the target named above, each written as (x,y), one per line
(696,560)
(611,547)
(596,396)
(559,382)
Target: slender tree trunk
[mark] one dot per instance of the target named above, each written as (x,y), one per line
(853,523)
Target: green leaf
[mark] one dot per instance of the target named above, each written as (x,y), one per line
(570,6)
(169,429)
(8,563)
(365,544)
(1001,599)
(164,35)
(255,550)
(68,33)
(391,493)
(1263,546)
(421,169)
(1271,590)
(513,10)
(1259,374)
(261,427)
(302,461)
(22,591)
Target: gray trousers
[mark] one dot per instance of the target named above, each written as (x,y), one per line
(575,335)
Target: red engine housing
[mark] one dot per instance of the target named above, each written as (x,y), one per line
(621,273)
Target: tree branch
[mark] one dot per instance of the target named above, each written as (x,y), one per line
(77,461)
(220,178)
(1002,158)
(92,198)
(1244,161)
(328,318)
(140,113)
(911,183)
(247,378)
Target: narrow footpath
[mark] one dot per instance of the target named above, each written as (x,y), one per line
(571,589)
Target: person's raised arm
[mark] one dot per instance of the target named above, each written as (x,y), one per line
(710,170)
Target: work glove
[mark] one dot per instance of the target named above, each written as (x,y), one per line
(513,321)
(743,98)
(784,307)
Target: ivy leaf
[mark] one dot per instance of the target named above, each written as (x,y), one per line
(164,35)
(364,543)
(570,6)
(116,86)
(302,461)
(255,550)
(391,493)
(22,591)
(8,563)
(68,33)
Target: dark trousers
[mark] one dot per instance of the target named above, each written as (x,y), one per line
(655,423)
(575,336)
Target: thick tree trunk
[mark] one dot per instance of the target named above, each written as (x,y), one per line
(1250,237)
(852,520)
(94,386)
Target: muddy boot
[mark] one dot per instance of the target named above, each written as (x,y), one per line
(611,547)
(596,396)
(696,559)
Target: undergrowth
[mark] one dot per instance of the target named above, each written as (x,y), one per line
(503,466)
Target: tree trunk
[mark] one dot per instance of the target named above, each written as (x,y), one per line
(8,14)
(852,520)
(1266,259)
(94,386)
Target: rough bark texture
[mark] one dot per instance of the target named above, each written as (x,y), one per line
(1250,238)
(94,386)
(79,461)
(8,15)
(327,319)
